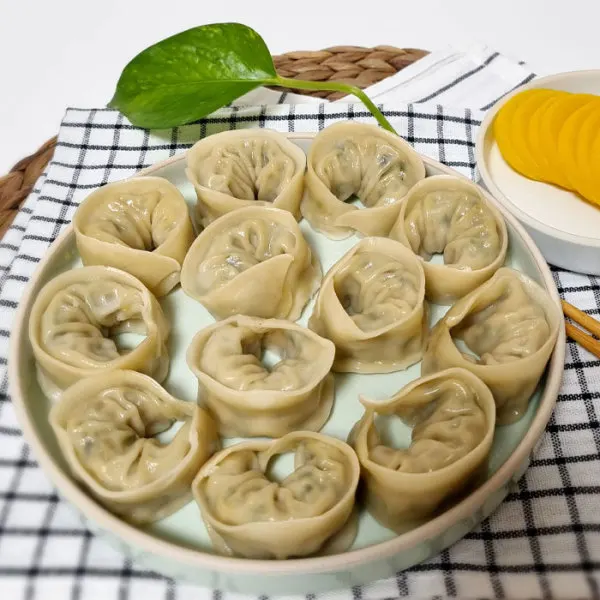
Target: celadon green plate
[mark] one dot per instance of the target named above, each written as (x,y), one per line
(179,546)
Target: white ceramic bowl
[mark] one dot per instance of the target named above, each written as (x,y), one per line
(566,229)
(179,545)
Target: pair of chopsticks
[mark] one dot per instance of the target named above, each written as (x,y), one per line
(588,323)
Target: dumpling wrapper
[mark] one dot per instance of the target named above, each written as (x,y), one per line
(235,169)
(106,427)
(371,306)
(140,225)
(73,317)
(509,326)
(449,215)
(249,398)
(348,160)
(250,515)
(452,414)
(253,261)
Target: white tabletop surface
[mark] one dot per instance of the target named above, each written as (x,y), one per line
(70,52)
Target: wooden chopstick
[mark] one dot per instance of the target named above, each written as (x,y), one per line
(589,323)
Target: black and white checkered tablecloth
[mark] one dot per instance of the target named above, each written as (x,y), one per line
(543,542)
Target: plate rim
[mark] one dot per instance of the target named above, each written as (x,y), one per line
(173,551)
(490,182)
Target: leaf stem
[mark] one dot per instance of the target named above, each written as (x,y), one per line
(335,87)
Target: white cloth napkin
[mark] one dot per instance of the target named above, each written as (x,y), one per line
(543,542)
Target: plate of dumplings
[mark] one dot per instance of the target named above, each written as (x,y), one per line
(288,363)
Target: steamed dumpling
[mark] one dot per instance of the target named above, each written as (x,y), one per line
(449,215)
(234,169)
(508,328)
(371,306)
(248,514)
(107,428)
(353,160)
(248,394)
(253,261)
(74,320)
(452,415)
(140,225)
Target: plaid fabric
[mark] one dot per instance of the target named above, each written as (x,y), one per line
(543,542)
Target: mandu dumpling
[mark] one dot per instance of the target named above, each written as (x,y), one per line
(349,161)
(452,415)
(234,169)
(252,515)
(108,428)
(371,306)
(139,225)
(75,319)
(263,377)
(506,329)
(253,261)
(449,215)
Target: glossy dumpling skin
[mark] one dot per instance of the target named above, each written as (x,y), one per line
(106,427)
(140,225)
(371,306)
(74,318)
(234,169)
(452,414)
(247,397)
(353,159)
(310,511)
(253,261)
(448,215)
(509,326)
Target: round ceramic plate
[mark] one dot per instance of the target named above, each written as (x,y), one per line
(179,546)
(563,226)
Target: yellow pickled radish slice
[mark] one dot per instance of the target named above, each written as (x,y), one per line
(590,128)
(595,170)
(537,148)
(551,124)
(503,131)
(520,132)
(567,140)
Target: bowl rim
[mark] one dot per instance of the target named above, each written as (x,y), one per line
(171,551)
(490,182)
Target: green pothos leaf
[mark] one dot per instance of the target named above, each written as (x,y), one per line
(192,74)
